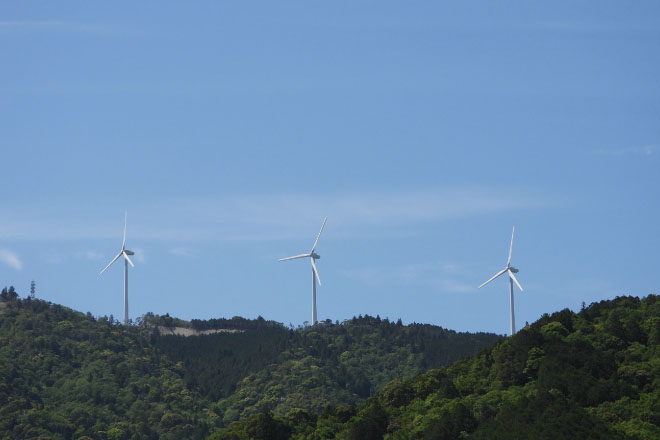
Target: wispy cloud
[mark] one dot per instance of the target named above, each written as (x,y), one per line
(90,255)
(271,217)
(10,259)
(182,252)
(61,26)
(140,255)
(446,278)
(59,256)
(582,26)
(646,150)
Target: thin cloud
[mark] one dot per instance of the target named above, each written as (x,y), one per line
(646,150)
(439,276)
(59,26)
(57,257)
(455,286)
(90,255)
(140,255)
(274,217)
(36,25)
(182,252)
(584,26)
(53,258)
(10,259)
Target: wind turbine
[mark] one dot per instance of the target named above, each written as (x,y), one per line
(512,279)
(125,252)
(315,273)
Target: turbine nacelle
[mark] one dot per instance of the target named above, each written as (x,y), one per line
(509,270)
(123,253)
(313,256)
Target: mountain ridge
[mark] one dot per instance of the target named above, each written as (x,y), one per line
(588,375)
(592,374)
(66,374)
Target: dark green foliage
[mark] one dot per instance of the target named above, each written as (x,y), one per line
(327,364)
(66,375)
(449,423)
(236,323)
(8,294)
(215,363)
(264,426)
(397,393)
(369,424)
(592,375)
(545,416)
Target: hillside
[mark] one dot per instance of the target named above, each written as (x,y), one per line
(270,365)
(591,375)
(64,374)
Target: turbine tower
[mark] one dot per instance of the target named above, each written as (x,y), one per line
(512,279)
(313,256)
(125,252)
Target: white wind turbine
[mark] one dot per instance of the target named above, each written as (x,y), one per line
(125,252)
(315,274)
(512,279)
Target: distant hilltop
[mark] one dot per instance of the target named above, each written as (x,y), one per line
(187,331)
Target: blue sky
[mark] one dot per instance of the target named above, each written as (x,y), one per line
(229,130)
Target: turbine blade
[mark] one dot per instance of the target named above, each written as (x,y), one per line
(128,259)
(493,277)
(110,264)
(123,245)
(316,272)
(318,236)
(293,258)
(515,280)
(510,247)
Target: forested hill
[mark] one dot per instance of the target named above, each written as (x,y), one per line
(65,374)
(591,375)
(327,364)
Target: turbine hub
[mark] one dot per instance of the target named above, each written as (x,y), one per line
(316,256)
(133,253)
(513,269)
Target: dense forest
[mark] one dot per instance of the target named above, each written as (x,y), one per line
(65,374)
(310,368)
(590,375)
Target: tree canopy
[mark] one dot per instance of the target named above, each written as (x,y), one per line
(589,375)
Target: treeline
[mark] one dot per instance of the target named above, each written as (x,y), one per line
(591,375)
(214,364)
(64,374)
(311,368)
(235,323)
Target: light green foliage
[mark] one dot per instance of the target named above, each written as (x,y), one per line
(327,364)
(591,375)
(66,375)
